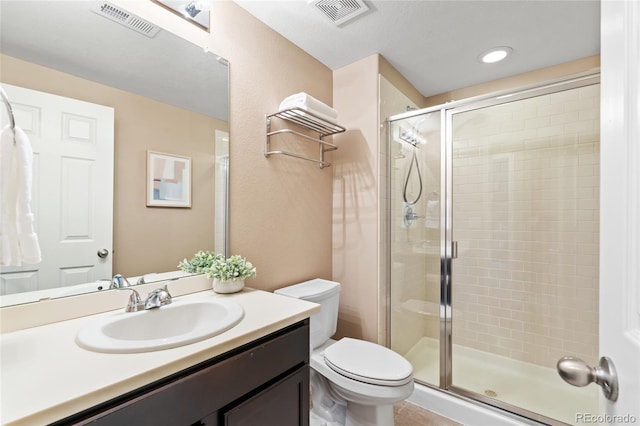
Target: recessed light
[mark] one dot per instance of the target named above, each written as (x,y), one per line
(495,54)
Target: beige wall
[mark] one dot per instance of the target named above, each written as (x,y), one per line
(280,206)
(360,179)
(355,198)
(141,249)
(401,84)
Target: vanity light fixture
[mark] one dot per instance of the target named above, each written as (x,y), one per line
(193,8)
(194,11)
(495,54)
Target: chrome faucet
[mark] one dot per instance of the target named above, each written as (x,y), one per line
(119,281)
(155,299)
(135,303)
(158,297)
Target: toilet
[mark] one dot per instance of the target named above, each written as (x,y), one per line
(353,382)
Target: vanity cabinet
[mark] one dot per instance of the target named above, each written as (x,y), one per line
(265,382)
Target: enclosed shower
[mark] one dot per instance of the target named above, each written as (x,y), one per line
(493,219)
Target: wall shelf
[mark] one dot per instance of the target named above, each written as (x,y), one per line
(306,120)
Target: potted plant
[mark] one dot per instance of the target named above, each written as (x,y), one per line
(201,261)
(229,274)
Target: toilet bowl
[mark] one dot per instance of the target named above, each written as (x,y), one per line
(369,396)
(364,377)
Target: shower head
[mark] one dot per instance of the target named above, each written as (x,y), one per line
(412,137)
(413,134)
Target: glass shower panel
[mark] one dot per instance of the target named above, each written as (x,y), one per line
(525,214)
(415,242)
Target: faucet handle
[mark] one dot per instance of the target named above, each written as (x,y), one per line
(158,297)
(117,281)
(163,295)
(135,302)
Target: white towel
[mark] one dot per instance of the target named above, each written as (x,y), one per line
(310,104)
(18,240)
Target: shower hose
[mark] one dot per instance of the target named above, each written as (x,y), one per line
(414,163)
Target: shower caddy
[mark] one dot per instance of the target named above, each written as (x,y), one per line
(306,120)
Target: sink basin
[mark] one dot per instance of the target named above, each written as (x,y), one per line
(180,323)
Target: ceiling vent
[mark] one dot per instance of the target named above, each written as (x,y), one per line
(127,19)
(340,11)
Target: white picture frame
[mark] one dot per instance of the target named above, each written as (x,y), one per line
(168,180)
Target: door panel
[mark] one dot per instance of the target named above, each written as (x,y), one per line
(620,204)
(72,196)
(525,196)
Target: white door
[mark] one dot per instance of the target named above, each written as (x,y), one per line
(72,189)
(620,205)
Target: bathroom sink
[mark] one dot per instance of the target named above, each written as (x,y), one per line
(180,323)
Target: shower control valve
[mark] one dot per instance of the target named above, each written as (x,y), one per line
(409,215)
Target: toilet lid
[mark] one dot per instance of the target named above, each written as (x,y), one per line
(368,362)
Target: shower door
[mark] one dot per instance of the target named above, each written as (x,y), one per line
(494,246)
(525,215)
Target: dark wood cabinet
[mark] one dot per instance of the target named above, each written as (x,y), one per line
(265,382)
(283,403)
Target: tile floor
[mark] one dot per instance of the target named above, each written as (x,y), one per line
(408,414)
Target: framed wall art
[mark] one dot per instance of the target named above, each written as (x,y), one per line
(168,180)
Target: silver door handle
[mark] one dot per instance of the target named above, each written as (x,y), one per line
(576,372)
(103,253)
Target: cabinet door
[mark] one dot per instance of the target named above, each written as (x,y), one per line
(285,403)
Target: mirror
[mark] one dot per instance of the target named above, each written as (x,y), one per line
(166,95)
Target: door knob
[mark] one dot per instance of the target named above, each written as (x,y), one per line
(576,372)
(103,253)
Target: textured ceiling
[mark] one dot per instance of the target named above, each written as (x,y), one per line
(435,43)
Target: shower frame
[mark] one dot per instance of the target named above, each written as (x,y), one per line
(447,245)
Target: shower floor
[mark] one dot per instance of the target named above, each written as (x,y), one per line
(528,386)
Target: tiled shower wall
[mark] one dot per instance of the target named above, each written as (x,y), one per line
(526,218)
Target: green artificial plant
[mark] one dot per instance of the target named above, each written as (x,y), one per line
(200,262)
(234,268)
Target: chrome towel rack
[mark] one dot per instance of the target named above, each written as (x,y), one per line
(306,120)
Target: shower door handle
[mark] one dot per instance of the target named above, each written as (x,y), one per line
(454,249)
(576,372)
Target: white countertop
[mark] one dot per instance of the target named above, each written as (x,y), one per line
(45,376)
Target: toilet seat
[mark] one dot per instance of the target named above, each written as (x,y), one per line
(368,362)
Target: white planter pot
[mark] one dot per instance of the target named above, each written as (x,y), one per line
(228,286)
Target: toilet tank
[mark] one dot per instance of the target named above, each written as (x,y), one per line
(327,294)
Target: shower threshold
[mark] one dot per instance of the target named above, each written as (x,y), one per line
(531,387)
